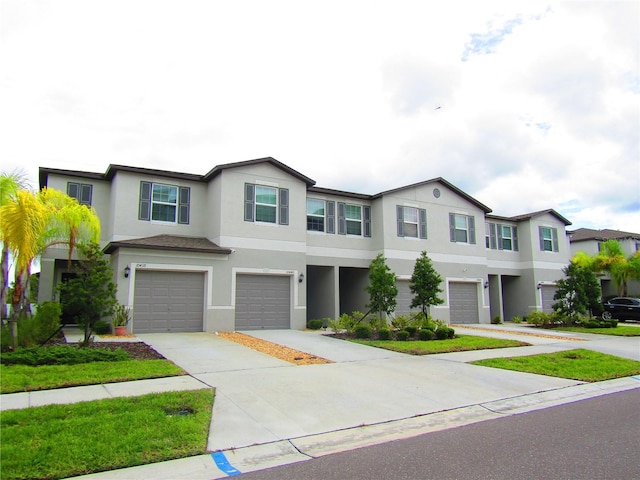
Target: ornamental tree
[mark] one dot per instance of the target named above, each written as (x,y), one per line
(578,293)
(382,287)
(425,284)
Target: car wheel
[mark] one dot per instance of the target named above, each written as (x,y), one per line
(606,315)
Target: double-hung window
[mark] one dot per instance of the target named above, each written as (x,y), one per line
(164,203)
(266,204)
(412,222)
(81,192)
(462,228)
(315,215)
(548,239)
(501,237)
(354,219)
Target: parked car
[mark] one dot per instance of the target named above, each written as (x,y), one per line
(622,308)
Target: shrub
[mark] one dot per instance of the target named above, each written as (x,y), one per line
(402,335)
(400,322)
(444,332)
(496,320)
(542,319)
(384,334)
(63,355)
(347,323)
(599,323)
(101,327)
(315,324)
(363,330)
(426,334)
(334,325)
(517,319)
(411,329)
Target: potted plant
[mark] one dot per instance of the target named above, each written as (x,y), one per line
(121,318)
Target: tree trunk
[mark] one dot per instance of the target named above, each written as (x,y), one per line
(4,262)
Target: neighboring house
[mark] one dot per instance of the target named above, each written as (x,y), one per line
(255,244)
(590,241)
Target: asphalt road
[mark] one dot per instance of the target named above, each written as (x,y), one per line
(593,439)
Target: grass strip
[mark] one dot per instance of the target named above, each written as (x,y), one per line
(22,378)
(620,330)
(460,343)
(59,441)
(579,364)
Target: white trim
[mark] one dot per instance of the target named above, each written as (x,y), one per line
(263,244)
(333,252)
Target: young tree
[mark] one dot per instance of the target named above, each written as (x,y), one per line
(578,293)
(425,284)
(382,287)
(612,259)
(92,293)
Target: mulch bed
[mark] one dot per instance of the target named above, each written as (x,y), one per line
(278,351)
(137,350)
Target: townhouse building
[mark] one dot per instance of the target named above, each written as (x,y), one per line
(257,245)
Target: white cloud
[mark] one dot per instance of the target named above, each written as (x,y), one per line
(540,101)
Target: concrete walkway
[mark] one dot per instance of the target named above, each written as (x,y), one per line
(269,412)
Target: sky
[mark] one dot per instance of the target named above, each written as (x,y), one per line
(523,105)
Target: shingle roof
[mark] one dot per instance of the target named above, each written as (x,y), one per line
(528,216)
(582,234)
(170,242)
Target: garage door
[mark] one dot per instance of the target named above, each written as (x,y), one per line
(463,302)
(262,302)
(548,291)
(168,302)
(404,298)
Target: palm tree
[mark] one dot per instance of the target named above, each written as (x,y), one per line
(612,260)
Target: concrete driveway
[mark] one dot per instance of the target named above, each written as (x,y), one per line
(260,399)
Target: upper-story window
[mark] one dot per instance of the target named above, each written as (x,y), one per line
(354,219)
(501,237)
(320,215)
(81,192)
(266,204)
(462,228)
(164,203)
(412,222)
(548,239)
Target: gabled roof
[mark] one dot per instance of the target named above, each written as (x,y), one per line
(215,171)
(529,216)
(441,180)
(582,234)
(170,242)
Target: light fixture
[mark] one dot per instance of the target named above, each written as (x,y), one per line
(486,284)
(127,271)
(539,285)
(301,278)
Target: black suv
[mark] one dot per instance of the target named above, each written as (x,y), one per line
(622,308)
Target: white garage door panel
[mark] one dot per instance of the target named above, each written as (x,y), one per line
(548,291)
(168,302)
(463,299)
(262,302)
(404,298)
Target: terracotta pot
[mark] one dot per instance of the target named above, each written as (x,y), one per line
(121,331)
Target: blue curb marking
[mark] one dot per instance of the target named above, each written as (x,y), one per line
(224,465)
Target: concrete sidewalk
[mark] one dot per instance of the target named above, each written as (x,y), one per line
(269,412)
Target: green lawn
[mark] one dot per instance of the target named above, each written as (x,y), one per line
(620,330)
(579,364)
(20,378)
(461,343)
(58,441)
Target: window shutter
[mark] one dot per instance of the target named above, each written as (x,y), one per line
(183,208)
(499,227)
(400,220)
(472,230)
(144,210)
(452,227)
(554,233)
(283,206)
(366,213)
(249,198)
(541,237)
(331,217)
(423,223)
(492,236)
(85,194)
(514,234)
(342,221)
(73,190)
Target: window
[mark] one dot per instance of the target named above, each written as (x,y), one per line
(266,204)
(315,215)
(490,235)
(354,219)
(412,222)
(81,192)
(462,228)
(507,238)
(164,203)
(548,239)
